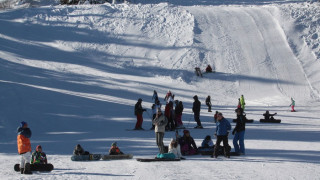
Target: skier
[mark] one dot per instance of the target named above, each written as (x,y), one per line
(160,122)
(208,103)
(39,157)
(222,131)
(196,110)
(208,69)
(155,96)
(239,132)
(178,115)
(188,146)
(242,102)
(24,147)
(168,113)
(78,151)
(114,150)
(207,142)
(268,116)
(293,103)
(138,111)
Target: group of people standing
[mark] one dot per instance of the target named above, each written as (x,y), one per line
(171,119)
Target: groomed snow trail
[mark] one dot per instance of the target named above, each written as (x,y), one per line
(249,48)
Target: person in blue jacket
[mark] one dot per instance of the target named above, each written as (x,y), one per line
(223,128)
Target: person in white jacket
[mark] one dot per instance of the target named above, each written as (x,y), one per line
(160,122)
(174,148)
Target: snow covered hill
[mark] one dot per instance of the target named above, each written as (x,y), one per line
(75,72)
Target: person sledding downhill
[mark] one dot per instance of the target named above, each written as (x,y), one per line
(208,69)
(24,147)
(38,156)
(293,103)
(196,110)
(138,111)
(114,150)
(198,71)
(222,131)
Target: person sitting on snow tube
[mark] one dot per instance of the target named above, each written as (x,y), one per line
(39,157)
(188,146)
(78,151)
(114,150)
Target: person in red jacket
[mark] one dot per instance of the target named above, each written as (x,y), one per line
(24,147)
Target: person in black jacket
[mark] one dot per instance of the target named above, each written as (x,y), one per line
(78,150)
(196,110)
(208,103)
(138,111)
(239,132)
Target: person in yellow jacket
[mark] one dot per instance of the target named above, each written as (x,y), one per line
(24,147)
(242,102)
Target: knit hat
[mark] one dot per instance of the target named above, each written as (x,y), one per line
(114,144)
(23,123)
(185,131)
(38,147)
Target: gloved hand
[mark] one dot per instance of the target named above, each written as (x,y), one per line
(215,135)
(228,133)
(233,132)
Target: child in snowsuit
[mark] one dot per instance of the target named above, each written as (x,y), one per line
(78,151)
(207,142)
(188,146)
(239,132)
(39,157)
(114,150)
(222,131)
(24,147)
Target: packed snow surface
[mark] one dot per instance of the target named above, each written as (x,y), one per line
(75,72)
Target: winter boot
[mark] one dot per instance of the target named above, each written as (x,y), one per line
(27,169)
(21,170)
